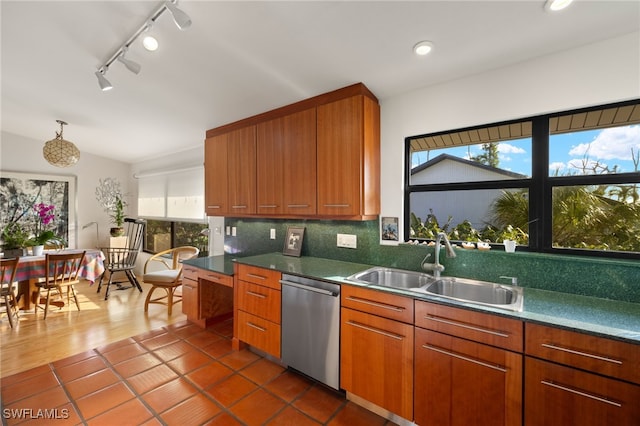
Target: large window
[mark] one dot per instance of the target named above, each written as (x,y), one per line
(173,204)
(561,182)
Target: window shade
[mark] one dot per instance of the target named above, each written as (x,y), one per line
(172,195)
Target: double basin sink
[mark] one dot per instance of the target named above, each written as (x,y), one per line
(462,289)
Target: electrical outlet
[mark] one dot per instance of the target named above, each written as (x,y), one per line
(272,234)
(347,240)
(234,231)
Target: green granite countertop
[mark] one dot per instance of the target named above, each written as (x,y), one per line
(603,317)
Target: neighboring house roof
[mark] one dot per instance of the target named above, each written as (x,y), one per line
(442,157)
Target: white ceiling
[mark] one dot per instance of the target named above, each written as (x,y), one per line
(243,58)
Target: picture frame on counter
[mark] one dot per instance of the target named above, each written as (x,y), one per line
(293,241)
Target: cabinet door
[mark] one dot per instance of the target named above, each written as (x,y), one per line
(190,302)
(241,170)
(215,175)
(286,165)
(348,157)
(376,361)
(458,382)
(559,395)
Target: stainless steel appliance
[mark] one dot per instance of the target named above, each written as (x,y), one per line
(311,328)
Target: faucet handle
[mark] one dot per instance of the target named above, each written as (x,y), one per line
(514,280)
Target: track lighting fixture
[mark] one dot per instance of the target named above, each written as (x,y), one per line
(132,66)
(102,80)
(180,18)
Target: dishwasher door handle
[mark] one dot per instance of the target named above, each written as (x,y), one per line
(314,289)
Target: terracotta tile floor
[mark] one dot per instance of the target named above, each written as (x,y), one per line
(176,375)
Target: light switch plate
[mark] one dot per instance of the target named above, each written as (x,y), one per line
(272,233)
(233,231)
(228,230)
(347,241)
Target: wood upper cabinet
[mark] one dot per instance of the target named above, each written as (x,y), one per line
(230,173)
(286,165)
(348,138)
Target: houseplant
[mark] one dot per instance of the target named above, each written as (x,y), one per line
(42,235)
(14,240)
(110,196)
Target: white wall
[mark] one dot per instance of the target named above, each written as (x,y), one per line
(600,73)
(20,154)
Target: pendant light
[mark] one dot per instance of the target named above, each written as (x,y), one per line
(60,152)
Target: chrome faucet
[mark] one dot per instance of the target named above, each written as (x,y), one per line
(436,267)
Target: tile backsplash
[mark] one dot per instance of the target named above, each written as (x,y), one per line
(590,276)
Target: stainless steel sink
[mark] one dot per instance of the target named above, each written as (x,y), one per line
(482,292)
(462,289)
(389,277)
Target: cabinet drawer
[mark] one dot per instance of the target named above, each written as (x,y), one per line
(190,272)
(559,395)
(260,333)
(596,354)
(259,300)
(484,328)
(386,305)
(216,277)
(261,276)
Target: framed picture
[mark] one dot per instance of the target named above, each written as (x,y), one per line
(19,192)
(293,241)
(389,228)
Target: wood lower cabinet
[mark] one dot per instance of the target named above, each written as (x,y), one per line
(286,165)
(207,296)
(460,382)
(468,367)
(230,173)
(376,353)
(349,158)
(561,395)
(560,384)
(257,309)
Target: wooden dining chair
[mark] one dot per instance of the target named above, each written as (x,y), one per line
(61,271)
(8,268)
(169,278)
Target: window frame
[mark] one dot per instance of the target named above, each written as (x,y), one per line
(540,185)
(173,224)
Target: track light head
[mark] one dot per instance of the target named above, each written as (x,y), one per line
(102,81)
(132,66)
(181,19)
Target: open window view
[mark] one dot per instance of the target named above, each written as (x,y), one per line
(569,181)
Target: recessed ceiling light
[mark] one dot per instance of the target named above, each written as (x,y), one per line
(150,43)
(555,5)
(423,48)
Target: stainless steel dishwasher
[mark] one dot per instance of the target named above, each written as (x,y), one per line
(311,328)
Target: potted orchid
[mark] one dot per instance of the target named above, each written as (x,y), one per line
(42,234)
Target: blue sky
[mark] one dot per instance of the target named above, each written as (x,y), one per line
(568,153)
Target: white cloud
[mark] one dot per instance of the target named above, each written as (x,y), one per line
(558,165)
(506,148)
(611,144)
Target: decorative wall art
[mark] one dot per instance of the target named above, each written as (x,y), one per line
(20,193)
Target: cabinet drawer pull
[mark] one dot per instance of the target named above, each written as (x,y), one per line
(261,296)
(571,351)
(268,206)
(213,207)
(257,327)
(469,327)
(337,205)
(258,277)
(375,330)
(581,393)
(297,206)
(239,207)
(484,364)
(376,304)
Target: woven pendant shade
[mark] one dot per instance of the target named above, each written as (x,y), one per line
(60,152)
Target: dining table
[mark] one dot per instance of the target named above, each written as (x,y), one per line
(33,268)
